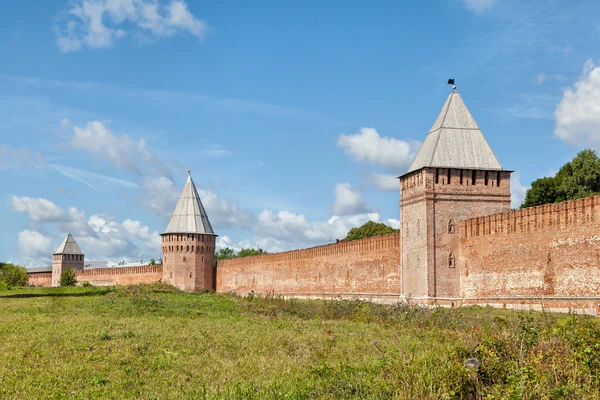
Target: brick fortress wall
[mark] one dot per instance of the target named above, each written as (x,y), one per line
(549,252)
(106,276)
(367,268)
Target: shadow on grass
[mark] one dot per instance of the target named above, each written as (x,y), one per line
(55,294)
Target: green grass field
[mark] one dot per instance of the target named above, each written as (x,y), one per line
(151,342)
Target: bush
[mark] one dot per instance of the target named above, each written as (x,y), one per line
(85,284)
(13,275)
(68,277)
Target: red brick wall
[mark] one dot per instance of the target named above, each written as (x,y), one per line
(40,279)
(549,250)
(429,199)
(189,260)
(366,266)
(107,276)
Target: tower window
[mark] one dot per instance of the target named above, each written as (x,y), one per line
(437,175)
(497,178)
(461,176)
(449,175)
(474,177)
(418,227)
(450,227)
(451,261)
(486,178)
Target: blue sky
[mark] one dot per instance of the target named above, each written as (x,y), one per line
(293,116)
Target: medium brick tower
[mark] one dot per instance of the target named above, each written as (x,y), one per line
(454,176)
(188,244)
(68,255)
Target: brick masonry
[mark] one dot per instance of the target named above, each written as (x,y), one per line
(454,248)
(550,251)
(188,260)
(106,276)
(362,267)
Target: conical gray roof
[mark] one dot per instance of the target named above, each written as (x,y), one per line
(189,215)
(68,246)
(455,141)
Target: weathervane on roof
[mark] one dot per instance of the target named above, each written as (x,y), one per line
(451,82)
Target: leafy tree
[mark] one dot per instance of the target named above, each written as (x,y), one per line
(249,252)
(68,277)
(543,191)
(227,253)
(12,275)
(152,261)
(369,229)
(578,178)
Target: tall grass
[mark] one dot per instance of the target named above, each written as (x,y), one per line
(152,342)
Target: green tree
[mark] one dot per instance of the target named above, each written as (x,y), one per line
(543,191)
(68,277)
(225,253)
(369,229)
(12,275)
(250,252)
(578,178)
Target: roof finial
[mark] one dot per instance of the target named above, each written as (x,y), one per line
(189,175)
(451,82)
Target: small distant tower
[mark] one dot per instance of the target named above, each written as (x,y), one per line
(68,255)
(188,244)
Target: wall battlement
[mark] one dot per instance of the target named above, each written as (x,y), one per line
(141,269)
(545,217)
(370,265)
(107,276)
(344,247)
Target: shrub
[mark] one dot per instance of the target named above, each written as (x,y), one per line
(85,284)
(13,275)
(68,277)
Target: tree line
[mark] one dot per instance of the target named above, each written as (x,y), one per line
(578,178)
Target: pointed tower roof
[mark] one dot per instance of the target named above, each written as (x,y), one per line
(68,246)
(455,141)
(189,215)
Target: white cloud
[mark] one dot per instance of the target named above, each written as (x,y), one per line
(285,230)
(577,116)
(348,200)
(517,191)
(386,182)
(35,248)
(479,5)
(101,237)
(225,241)
(225,213)
(368,146)
(37,209)
(394,223)
(99,23)
(119,150)
(160,195)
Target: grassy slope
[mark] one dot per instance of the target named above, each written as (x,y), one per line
(149,342)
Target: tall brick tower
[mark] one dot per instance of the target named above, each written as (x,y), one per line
(454,176)
(68,255)
(188,244)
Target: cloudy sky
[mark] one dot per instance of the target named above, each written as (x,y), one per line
(294,117)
